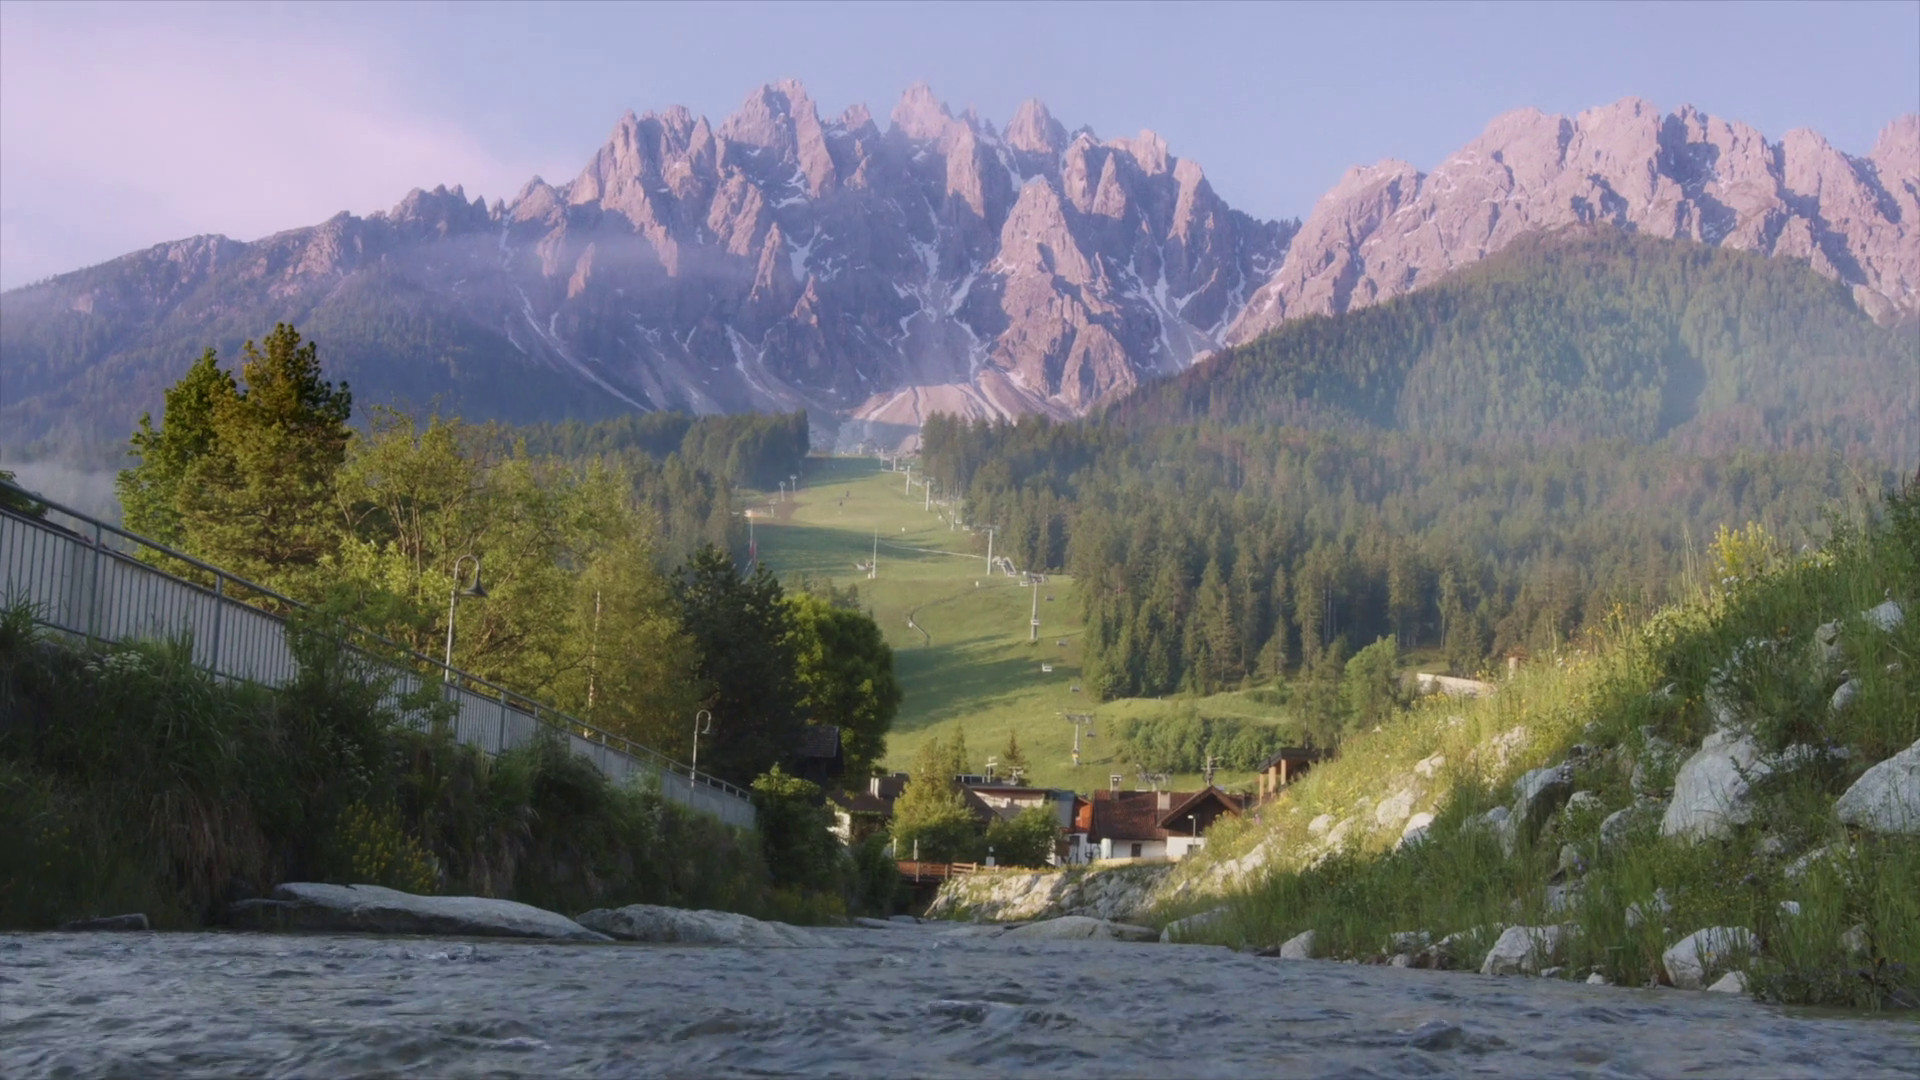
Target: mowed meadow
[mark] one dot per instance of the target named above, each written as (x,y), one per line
(964,661)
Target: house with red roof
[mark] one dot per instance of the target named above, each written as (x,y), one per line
(1152,824)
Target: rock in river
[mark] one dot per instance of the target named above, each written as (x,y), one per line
(1697,959)
(136,922)
(1082,928)
(1525,950)
(372,909)
(650,922)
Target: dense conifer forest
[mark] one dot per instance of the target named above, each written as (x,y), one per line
(1478,469)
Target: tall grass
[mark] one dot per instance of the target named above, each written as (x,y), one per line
(1637,698)
(132,780)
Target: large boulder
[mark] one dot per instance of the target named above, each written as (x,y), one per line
(1082,928)
(1712,793)
(1298,947)
(664,925)
(1886,798)
(1185,929)
(1695,961)
(1537,794)
(373,909)
(1526,950)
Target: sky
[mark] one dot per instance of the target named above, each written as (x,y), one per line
(123,126)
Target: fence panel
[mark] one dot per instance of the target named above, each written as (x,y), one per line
(78,579)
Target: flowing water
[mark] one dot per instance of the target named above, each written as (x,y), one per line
(914,1001)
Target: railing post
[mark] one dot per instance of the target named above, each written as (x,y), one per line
(93,598)
(501,746)
(219,620)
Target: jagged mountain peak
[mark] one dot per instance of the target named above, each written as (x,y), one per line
(1389,228)
(1033,130)
(779,260)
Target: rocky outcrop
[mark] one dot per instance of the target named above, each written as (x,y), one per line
(372,909)
(1120,893)
(666,925)
(1387,229)
(1886,798)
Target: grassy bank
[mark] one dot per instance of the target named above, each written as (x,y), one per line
(131,780)
(1835,910)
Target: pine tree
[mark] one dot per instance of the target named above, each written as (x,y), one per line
(259,500)
(150,492)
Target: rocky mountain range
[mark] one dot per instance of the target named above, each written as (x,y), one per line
(782,260)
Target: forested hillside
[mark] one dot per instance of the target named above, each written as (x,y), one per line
(1480,468)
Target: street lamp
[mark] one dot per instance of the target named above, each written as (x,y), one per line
(476,590)
(702,725)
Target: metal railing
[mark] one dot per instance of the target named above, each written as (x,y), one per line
(83,578)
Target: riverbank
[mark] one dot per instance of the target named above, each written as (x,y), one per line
(132,780)
(931,1000)
(1735,782)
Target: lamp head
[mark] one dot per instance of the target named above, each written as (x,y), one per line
(476,589)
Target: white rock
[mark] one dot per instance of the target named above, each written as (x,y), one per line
(1561,898)
(1710,795)
(1597,979)
(664,925)
(1429,767)
(1298,947)
(1319,826)
(1658,907)
(1410,941)
(1855,940)
(1733,982)
(373,909)
(1790,908)
(1394,809)
(1538,793)
(1082,928)
(1886,798)
(1184,929)
(1695,960)
(1886,615)
(1555,972)
(1337,835)
(1843,697)
(1798,868)
(1524,950)
(1583,802)
(1416,830)
(1828,637)
(1401,960)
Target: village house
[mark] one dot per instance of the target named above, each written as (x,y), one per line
(1150,824)
(859,814)
(1284,768)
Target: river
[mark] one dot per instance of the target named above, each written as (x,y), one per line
(921,1001)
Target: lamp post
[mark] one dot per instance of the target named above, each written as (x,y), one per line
(702,725)
(476,590)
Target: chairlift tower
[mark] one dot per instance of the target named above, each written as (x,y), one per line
(1033,624)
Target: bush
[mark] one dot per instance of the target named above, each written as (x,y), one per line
(131,780)
(1026,839)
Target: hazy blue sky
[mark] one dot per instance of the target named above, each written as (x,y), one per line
(123,126)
